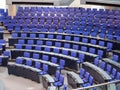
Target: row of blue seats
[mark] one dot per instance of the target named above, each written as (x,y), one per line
(87,78)
(108,68)
(65,9)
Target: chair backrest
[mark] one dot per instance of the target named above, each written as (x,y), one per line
(14,35)
(29,62)
(37,47)
(50,36)
(59,37)
(67,37)
(66,45)
(32,35)
(73,54)
(61,79)
(45,57)
(28,47)
(23,35)
(100,53)
(108,68)
(84,48)
(115,58)
(114,72)
(65,52)
(48,43)
(47,49)
(84,40)
(102,65)
(39,42)
(57,75)
(58,44)
(35,55)
(92,50)
(30,42)
(62,63)
(54,59)
(93,41)
(109,46)
(45,67)
(19,60)
(82,56)
(26,54)
(37,65)
(82,71)
(7,53)
(18,46)
(96,61)
(76,47)
(91,80)
(56,50)
(101,43)
(87,75)
(21,41)
(41,35)
(118,76)
(77,39)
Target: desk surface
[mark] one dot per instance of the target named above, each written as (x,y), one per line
(99,70)
(76,77)
(49,78)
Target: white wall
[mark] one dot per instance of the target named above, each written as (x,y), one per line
(3,4)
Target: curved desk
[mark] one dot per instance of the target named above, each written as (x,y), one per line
(99,75)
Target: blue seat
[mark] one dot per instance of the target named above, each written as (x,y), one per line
(36,56)
(58,44)
(102,65)
(84,40)
(100,53)
(110,37)
(118,76)
(37,47)
(77,39)
(101,43)
(60,82)
(32,35)
(45,70)
(19,60)
(81,58)
(39,42)
(29,62)
(101,35)
(115,58)
(21,41)
(60,30)
(76,47)
(56,50)
(48,43)
(73,54)
(50,36)
(92,50)
(41,35)
(67,37)
(84,48)
(45,57)
(14,35)
(65,52)
(47,49)
(94,34)
(62,64)
(96,61)
(108,68)
(23,35)
(93,41)
(54,60)
(85,33)
(57,76)
(37,65)
(86,77)
(26,54)
(113,74)
(89,83)
(30,42)
(52,30)
(18,46)
(82,72)
(66,45)
(28,47)
(109,46)
(7,53)
(59,37)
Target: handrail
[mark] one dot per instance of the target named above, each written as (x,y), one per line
(98,85)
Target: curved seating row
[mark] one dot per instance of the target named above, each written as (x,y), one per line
(65,51)
(58,43)
(70,62)
(70,37)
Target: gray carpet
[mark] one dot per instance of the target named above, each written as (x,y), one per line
(65,2)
